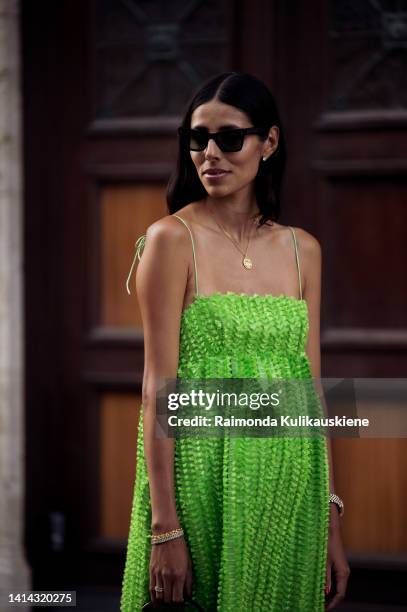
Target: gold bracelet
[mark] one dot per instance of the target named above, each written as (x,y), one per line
(167,535)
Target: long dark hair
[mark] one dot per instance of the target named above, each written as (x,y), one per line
(252,96)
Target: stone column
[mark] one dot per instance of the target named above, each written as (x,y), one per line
(14,573)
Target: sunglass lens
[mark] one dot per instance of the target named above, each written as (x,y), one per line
(197,141)
(230,141)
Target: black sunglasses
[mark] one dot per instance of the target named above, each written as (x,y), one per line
(228,140)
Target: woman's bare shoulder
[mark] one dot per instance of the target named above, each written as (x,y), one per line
(167,232)
(168,226)
(307,242)
(164,263)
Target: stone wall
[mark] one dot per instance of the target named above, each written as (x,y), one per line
(14,573)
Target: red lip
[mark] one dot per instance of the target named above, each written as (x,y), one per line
(215,171)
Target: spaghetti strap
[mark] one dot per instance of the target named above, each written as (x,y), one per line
(297,259)
(193,251)
(140,242)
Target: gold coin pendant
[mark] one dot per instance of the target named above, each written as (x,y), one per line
(247,262)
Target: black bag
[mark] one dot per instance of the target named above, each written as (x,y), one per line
(188,605)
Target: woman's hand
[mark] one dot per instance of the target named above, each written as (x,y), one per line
(170,569)
(336,559)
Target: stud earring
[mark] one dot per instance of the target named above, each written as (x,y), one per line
(264,158)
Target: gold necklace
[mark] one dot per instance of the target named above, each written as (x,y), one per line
(246,261)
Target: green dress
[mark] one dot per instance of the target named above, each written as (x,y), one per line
(255,511)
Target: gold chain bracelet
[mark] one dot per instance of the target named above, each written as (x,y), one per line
(167,535)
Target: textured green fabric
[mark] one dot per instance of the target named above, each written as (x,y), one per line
(255,511)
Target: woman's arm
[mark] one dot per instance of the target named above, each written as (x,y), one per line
(312,266)
(161,279)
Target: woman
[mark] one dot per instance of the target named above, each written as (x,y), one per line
(227,292)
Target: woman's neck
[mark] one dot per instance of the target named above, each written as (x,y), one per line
(235,216)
